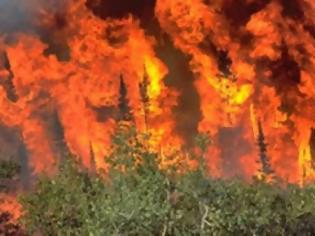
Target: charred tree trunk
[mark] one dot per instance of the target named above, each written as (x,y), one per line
(266,169)
(312,145)
(92,160)
(124,109)
(143,86)
(7,83)
(59,142)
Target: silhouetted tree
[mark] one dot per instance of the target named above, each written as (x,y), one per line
(92,159)
(266,169)
(124,109)
(143,86)
(8,82)
(60,144)
(312,144)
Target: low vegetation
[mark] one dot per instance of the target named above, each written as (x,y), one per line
(136,197)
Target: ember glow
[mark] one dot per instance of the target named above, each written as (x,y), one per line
(218,67)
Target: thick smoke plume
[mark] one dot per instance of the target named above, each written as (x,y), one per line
(22,15)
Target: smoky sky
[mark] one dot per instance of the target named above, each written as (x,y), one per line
(21,15)
(16,15)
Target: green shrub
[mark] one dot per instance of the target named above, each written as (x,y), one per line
(8,169)
(137,198)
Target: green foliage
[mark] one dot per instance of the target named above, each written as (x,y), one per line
(130,203)
(137,198)
(59,206)
(8,169)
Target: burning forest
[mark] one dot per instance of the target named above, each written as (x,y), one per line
(240,71)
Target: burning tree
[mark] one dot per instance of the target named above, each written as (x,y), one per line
(265,171)
(143,87)
(124,109)
(92,160)
(7,83)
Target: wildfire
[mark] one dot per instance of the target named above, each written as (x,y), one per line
(9,203)
(67,79)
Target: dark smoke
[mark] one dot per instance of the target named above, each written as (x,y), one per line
(239,12)
(25,16)
(141,9)
(57,136)
(292,9)
(187,113)
(25,174)
(21,15)
(15,15)
(233,146)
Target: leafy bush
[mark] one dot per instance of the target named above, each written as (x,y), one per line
(8,169)
(76,203)
(136,197)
